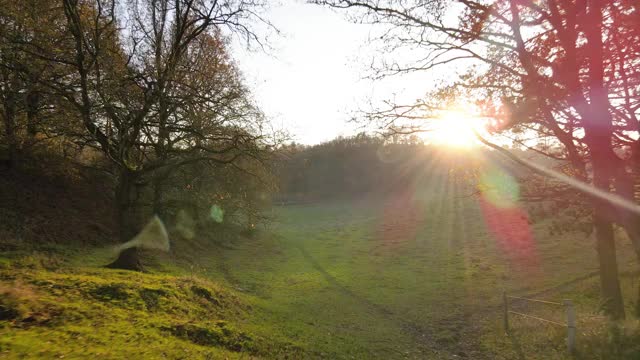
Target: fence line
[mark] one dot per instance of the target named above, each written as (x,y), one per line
(570,311)
(535,300)
(538,318)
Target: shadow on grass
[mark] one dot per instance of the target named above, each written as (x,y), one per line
(517,346)
(426,335)
(343,289)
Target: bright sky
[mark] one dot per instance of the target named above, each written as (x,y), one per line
(312,83)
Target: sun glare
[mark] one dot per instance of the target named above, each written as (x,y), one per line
(454,128)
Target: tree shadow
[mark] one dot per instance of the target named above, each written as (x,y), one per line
(343,289)
(423,334)
(516,344)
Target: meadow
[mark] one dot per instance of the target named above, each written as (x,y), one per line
(415,274)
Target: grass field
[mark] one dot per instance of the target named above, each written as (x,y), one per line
(417,274)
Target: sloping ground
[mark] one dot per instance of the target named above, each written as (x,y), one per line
(57,301)
(39,212)
(415,275)
(101,313)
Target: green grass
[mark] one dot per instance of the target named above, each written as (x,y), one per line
(91,312)
(411,278)
(409,275)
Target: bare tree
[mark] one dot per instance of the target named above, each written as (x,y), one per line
(135,90)
(560,69)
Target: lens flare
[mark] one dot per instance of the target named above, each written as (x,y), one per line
(499,188)
(217,214)
(400,217)
(505,220)
(152,236)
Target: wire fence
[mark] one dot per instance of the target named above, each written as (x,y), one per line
(569,310)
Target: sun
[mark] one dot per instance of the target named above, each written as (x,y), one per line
(454,128)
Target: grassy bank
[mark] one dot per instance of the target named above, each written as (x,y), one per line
(75,312)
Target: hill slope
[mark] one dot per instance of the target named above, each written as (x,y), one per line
(57,301)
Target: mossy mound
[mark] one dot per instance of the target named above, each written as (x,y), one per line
(89,312)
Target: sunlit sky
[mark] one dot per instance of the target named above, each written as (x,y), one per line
(312,80)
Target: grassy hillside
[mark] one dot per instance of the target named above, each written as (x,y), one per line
(414,274)
(58,301)
(84,313)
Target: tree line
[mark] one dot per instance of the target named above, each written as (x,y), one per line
(362,165)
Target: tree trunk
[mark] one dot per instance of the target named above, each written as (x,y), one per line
(10,131)
(603,162)
(631,226)
(630,221)
(609,282)
(33,100)
(128,259)
(158,192)
(598,127)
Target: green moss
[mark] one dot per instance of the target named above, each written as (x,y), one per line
(217,334)
(152,297)
(110,292)
(84,312)
(205,294)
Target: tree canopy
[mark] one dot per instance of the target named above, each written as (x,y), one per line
(147,87)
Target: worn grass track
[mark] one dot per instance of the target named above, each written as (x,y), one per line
(414,274)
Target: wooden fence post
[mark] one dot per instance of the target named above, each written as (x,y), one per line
(506,311)
(571,326)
